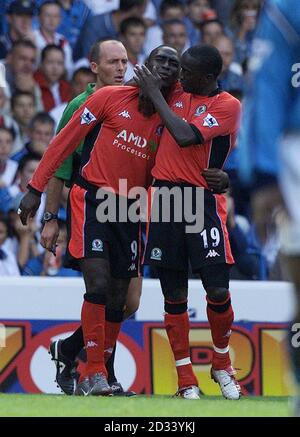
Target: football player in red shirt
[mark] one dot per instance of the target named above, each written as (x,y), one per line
(201,125)
(107,253)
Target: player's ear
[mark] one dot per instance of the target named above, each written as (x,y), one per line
(94,67)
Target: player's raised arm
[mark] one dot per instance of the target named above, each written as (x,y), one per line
(83,120)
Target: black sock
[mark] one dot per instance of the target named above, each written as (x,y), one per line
(72,345)
(110,368)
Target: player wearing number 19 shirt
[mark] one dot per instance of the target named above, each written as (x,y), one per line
(201,128)
(108,253)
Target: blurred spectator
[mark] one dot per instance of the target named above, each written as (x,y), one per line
(103,6)
(231,77)
(20,13)
(243,22)
(20,66)
(8,167)
(169,10)
(23,109)
(49,19)
(223,9)
(74,14)
(211,30)
(175,35)
(10,197)
(132,35)
(54,88)
(106,25)
(80,80)
(41,132)
(5,118)
(198,11)
(47,264)
(8,262)
(247,261)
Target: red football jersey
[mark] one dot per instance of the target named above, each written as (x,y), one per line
(124,149)
(216,117)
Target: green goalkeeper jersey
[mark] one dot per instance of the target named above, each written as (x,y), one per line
(65,171)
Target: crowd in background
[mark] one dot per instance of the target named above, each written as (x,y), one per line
(44,47)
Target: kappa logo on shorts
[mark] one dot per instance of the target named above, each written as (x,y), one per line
(87,117)
(97,245)
(210,121)
(132,267)
(156,254)
(212,254)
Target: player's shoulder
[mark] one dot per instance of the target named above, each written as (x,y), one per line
(228,102)
(117,91)
(77,101)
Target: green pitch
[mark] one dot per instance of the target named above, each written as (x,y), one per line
(145,406)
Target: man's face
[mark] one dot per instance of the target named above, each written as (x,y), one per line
(27,172)
(225,48)
(175,36)
(41,135)
(211,32)
(23,60)
(196,9)
(112,64)
(134,39)
(53,65)
(192,79)
(81,81)
(50,18)
(167,64)
(173,12)
(6,143)
(24,109)
(20,24)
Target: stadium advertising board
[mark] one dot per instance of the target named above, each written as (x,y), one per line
(36,311)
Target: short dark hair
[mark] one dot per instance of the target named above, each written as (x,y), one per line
(8,130)
(23,43)
(131,22)
(18,94)
(47,3)
(32,156)
(126,5)
(212,20)
(95,51)
(166,4)
(82,70)
(208,58)
(49,48)
(173,21)
(42,117)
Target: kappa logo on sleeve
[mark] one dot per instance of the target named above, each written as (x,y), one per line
(210,121)
(87,117)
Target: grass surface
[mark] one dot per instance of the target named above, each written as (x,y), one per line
(145,406)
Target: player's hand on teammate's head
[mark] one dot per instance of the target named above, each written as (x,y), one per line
(217,180)
(28,207)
